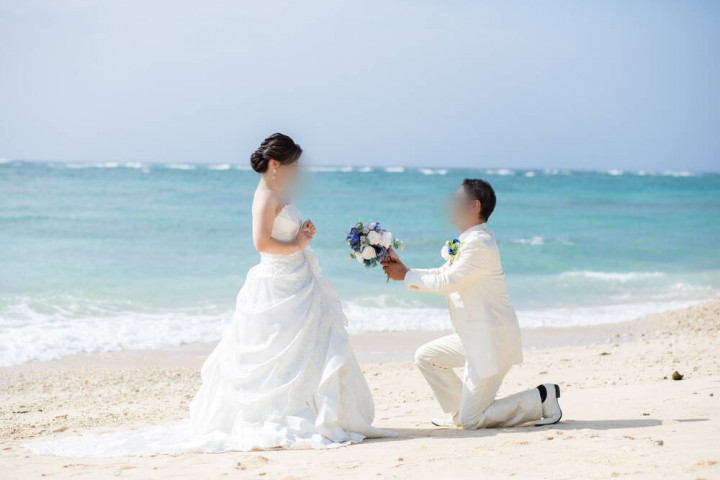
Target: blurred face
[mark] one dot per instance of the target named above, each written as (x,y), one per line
(463,210)
(285,175)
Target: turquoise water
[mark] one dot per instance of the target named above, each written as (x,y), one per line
(109,256)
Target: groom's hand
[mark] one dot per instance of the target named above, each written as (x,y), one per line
(392,255)
(395,269)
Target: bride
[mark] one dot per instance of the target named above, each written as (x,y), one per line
(284,374)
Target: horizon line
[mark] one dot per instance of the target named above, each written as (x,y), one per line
(347,168)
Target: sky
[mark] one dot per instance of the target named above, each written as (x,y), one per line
(446,83)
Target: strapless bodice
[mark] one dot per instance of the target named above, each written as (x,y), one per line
(287,223)
(285,228)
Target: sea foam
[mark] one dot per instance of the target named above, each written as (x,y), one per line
(533,241)
(180,166)
(57,335)
(63,333)
(320,168)
(613,276)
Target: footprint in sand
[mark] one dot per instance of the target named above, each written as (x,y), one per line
(252,462)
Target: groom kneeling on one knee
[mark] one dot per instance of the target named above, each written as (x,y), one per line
(486,338)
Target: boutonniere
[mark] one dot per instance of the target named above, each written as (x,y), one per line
(450,249)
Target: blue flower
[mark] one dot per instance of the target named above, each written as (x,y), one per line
(452,247)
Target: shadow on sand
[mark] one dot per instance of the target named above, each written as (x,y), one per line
(455,433)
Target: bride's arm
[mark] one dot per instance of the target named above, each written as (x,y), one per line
(265,208)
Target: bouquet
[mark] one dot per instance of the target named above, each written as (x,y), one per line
(370,243)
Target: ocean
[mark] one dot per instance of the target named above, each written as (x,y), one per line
(97,257)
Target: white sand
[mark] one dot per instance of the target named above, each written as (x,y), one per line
(623,417)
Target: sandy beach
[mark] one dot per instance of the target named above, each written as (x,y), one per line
(625,416)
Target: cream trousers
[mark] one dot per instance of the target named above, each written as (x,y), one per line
(473,398)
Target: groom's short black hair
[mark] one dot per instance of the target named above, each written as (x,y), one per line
(480,190)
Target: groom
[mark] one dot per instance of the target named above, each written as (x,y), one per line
(487,337)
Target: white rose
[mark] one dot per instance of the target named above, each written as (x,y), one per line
(444,253)
(386,239)
(359,258)
(374,238)
(368,253)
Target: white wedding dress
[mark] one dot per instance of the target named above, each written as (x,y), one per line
(283,375)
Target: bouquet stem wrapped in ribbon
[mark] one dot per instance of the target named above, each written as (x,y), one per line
(370,243)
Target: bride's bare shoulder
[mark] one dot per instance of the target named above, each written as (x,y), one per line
(265,201)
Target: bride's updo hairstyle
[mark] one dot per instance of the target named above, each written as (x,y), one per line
(278,147)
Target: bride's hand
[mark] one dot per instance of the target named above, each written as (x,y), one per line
(305,235)
(309,227)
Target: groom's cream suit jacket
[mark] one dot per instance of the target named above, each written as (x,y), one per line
(480,310)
